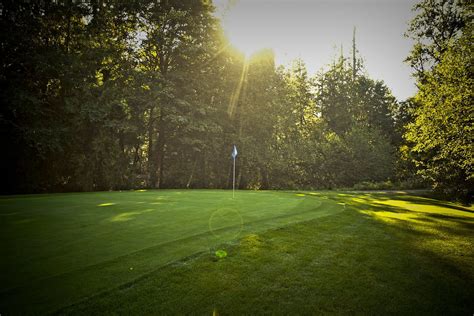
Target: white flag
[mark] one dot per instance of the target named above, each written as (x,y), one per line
(234,152)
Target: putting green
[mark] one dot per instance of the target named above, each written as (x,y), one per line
(58,249)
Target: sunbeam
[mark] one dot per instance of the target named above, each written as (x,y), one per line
(238,89)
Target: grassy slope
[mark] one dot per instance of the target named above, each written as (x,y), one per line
(385,253)
(58,249)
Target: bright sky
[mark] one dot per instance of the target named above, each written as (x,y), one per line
(314,30)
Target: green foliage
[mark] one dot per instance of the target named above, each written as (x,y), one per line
(439,134)
(442,131)
(369,185)
(437,22)
(362,154)
(110,95)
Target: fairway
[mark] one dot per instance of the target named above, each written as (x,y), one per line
(153,252)
(80,244)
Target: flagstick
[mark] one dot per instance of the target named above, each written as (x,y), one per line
(233,182)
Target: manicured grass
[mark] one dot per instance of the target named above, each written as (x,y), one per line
(295,253)
(59,249)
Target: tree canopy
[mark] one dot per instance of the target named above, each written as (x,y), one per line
(107,95)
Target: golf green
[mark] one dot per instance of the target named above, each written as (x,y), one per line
(60,249)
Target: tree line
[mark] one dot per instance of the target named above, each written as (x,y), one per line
(110,95)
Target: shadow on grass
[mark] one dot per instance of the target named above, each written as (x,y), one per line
(373,258)
(442,239)
(442,220)
(453,220)
(426,199)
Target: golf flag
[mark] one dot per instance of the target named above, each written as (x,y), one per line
(234,152)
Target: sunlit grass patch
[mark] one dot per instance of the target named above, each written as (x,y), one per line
(251,243)
(392,217)
(344,194)
(126,216)
(105,204)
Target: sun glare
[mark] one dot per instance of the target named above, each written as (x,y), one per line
(247,32)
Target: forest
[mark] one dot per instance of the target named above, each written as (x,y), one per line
(112,95)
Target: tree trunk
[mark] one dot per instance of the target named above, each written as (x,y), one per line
(151,164)
(160,152)
(228,183)
(265,180)
(192,174)
(241,181)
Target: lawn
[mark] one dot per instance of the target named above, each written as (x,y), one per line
(153,252)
